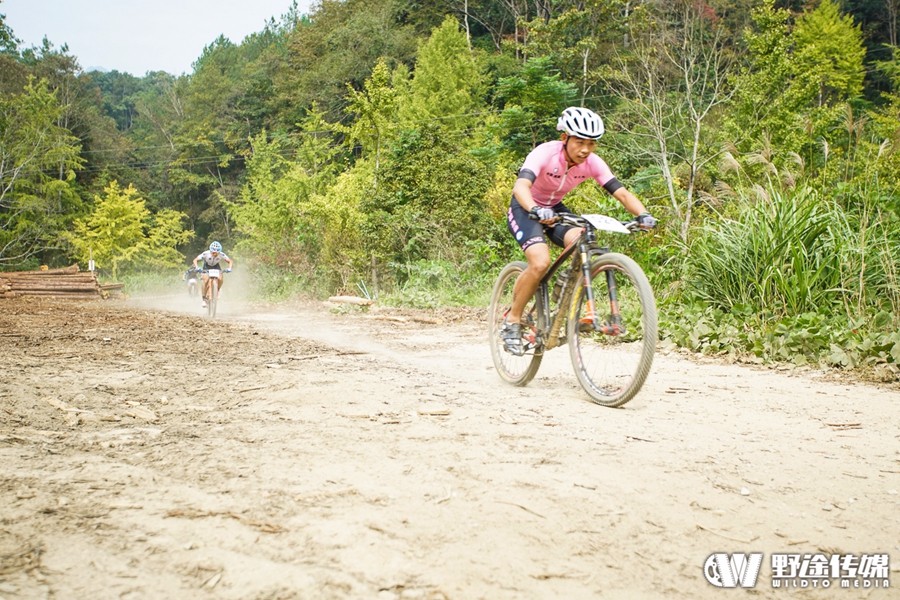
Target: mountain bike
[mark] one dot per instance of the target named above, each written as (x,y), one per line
(597,301)
(212,296)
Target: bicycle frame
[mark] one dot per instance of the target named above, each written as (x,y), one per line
(549,323)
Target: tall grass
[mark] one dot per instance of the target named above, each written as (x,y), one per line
(872,263)
(783,255)
(794,276)
(160,281)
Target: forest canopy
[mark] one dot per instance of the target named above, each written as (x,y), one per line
(373,144)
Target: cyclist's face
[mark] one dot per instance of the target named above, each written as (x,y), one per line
(214,253)
(578,149)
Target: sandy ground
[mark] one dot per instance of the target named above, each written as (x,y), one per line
(290,452)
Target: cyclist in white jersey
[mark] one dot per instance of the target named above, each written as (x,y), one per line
(212,259)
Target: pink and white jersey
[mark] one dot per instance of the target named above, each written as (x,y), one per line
(553,179)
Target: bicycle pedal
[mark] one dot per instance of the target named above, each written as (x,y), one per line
(613,329)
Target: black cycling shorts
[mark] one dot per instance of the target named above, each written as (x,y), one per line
(528,232)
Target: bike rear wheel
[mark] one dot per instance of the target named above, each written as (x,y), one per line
(518,370)
(613,363)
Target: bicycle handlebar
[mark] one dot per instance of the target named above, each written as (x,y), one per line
(579,221)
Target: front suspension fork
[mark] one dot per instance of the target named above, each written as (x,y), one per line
(592,319)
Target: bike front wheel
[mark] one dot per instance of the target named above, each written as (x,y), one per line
(612,360)
(518,370)
(213,298)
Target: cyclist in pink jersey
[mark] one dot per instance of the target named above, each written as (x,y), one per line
(549,172)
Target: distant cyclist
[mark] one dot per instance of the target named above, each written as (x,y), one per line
(549,172)
(212,259)
(190,277)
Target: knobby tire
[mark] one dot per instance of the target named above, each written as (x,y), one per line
(517,370)
(213,297)
(612,368)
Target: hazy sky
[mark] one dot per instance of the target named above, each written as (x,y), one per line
(136,36)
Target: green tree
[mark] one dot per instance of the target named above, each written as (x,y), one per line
(374,109)
(772,99)
(829,48)
(159,111)
(13,74)
(792,112)
(119,93)
(580,40)
(338,221)
(430,191)
(9,45)
(671,86)
(121,231)
(272,211)
(532,100)
(266,212)
(38,160)
(338,45)
(81,110)
(431,203)
(448,85)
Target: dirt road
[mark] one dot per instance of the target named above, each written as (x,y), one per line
(287,452)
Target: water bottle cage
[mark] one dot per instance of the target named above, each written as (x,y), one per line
(562,280)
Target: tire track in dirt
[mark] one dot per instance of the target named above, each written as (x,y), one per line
(350,456)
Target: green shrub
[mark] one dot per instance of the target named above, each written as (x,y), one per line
(433,283)
(781,256)
(807,339)
(273,284)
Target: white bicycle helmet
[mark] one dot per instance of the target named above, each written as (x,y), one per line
(580,122)
(215,247)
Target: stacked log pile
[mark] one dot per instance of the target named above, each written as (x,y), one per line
(69,282)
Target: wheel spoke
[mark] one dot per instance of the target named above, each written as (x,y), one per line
(612,360)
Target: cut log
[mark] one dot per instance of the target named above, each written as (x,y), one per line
(55,294)
(61,271)
(46,283)
(68,282)
(63,277)
(351,300)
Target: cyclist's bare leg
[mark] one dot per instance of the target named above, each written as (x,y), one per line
(572,235)
(538,261)
(538,257)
